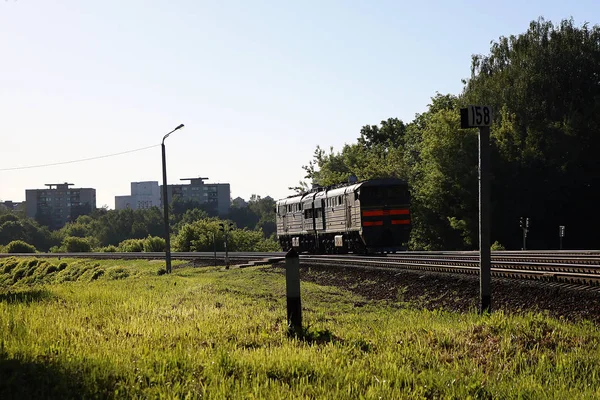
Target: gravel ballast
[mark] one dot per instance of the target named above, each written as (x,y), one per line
(458,293)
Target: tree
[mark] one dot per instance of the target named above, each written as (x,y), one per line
(258,213)
(378,153)
(201,236)
(13,227)
(545,89)
(390,134)
(443,178)
(192,215)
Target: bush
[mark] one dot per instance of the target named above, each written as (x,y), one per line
(96,274)
(154,244)
(201,236)
(108,249)
(117,273)
(19,246)
(73,244)
(497,246)
(132,245)
(56,249)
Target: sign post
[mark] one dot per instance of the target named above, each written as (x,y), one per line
(476,116)
(292,289)
(524,224)
(226,228)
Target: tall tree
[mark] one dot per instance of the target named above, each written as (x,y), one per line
(443,178)
(545,87)
(390,134)
(378,153)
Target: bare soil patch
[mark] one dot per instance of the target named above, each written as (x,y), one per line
(458,293)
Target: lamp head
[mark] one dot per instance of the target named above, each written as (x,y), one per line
(167,135)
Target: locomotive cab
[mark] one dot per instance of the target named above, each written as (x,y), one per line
(385,215)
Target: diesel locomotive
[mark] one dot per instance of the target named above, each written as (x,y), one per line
(365,217)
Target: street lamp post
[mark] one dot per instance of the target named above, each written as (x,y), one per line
(166,202)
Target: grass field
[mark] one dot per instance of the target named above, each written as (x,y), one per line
(117,329)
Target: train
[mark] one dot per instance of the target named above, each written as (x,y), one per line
(366,217)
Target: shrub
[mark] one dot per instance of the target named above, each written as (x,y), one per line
(154,244)
(497,246)
(19,246)
(74,244)
(56,249)
(117,273)
(10,265)
(108,249)
(97,274)
(132,245)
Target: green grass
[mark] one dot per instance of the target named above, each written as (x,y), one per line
(116,329)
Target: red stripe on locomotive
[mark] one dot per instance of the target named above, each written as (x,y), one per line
(373,223)
(379,213)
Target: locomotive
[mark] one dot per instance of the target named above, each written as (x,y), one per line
(371,216)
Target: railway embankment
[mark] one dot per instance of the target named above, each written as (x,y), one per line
(459,292)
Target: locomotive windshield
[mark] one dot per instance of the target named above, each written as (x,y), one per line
(384,195)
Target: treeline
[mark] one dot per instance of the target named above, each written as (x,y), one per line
(193,228)
(544,87)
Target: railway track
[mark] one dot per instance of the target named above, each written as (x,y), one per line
(577,269)
(237,257)
(565,267)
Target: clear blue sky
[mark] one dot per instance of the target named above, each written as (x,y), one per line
(258,84)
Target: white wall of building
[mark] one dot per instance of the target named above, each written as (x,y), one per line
(143,195)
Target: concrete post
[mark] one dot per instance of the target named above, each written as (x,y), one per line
(292,284)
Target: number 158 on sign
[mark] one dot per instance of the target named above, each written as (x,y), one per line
(475,116)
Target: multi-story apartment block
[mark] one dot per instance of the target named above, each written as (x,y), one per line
(214,195)
(11,205)
(59,203)
(143,195)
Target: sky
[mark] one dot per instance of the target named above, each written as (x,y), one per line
(258,84)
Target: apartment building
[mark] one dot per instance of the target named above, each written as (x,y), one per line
(12,205)
(214,195)
(59,203)
(143,195)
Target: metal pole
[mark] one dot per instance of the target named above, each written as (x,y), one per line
(484,221)
(215,248)
(560,243)
(292,286)
(166,211)
(524,238)
(166,201)
(226,251)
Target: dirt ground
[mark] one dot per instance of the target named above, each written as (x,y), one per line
(458,293)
